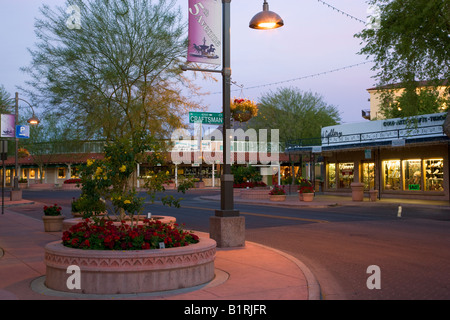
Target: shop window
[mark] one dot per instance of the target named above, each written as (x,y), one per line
(25,173)
(346,175)
(368,175)
(392,176)
(412,175)
(61,173)
(434,174)
(332,175)
(33,173)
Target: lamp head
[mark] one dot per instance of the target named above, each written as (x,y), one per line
(33,120)
(266,19)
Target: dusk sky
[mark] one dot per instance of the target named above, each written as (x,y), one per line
(315,39)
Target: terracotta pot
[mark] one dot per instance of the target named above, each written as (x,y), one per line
(277,197)
(53,223)
(308,197)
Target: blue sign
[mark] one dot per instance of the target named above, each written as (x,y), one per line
(22,132)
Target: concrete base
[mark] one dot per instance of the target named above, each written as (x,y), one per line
(16,195)
(227,231)
(357,191)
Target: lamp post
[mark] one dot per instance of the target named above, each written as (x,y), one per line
(227,227)
(15,193)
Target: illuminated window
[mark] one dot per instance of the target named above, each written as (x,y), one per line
(412,175)
(61,173)
(346,175)
(434,174)
(332,175)
(392,177)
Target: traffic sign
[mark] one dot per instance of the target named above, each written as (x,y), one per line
(22,132)
(206,117)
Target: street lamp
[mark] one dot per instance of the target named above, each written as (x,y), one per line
(15,195)
(227,227)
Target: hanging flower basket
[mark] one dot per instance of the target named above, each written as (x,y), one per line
(243,110)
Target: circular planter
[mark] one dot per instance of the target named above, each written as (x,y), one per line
(277,197)
(136,271)
(71,222)
(53,223)
(308,197)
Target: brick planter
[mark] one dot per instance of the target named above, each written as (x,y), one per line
(255,193)
(135,271)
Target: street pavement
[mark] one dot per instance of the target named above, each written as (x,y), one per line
(253,272)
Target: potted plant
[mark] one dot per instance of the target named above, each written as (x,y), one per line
(243,110)
(53,219)
(302,182)
(307,193)
(23,183)
(277,193)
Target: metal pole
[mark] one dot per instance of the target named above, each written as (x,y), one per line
(16,177)
(226,189)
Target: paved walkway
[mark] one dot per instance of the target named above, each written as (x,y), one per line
(253,272)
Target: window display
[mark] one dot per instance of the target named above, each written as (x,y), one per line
(368,175)
(434,174)
(346,174)
(413,175)
(332,175)
(392,177)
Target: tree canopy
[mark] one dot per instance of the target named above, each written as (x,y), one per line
(113,71)
(411,45)
(297,114)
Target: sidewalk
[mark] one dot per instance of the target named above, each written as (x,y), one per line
(253,272)
(324,200)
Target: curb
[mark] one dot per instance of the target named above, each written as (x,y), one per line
(314,291)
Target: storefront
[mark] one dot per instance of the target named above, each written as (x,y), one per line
(396,157)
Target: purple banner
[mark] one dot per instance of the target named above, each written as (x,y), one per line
(205,31)
(8,126)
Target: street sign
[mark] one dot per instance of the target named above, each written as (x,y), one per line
(206,117)
(22,132)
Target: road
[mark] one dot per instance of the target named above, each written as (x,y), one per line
(338,244)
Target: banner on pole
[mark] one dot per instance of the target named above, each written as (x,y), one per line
(205,31)
(7,125)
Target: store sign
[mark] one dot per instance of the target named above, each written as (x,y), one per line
(395,130)
(414,187)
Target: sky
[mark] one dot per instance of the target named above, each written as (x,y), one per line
(315,40)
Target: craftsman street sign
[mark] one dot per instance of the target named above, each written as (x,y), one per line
(206,117)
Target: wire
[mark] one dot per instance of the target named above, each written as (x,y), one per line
(299,78)
(340,11)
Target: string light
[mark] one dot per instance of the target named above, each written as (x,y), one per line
(340,11)
(294,79)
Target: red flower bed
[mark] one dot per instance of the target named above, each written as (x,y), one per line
(72,181)
(104,235)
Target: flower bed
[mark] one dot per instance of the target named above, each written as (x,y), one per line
(131,271)
(104,234)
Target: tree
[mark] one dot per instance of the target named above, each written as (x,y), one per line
(116,70)
(297,114)
(411,45)
(5,100)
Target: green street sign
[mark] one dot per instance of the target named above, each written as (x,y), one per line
(206,117)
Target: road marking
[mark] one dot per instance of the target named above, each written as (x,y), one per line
(262,215)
